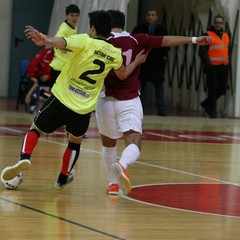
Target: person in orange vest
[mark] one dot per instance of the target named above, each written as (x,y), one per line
(215,58)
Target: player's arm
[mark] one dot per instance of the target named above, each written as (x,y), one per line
(124,72)
(170,41)
(41,39)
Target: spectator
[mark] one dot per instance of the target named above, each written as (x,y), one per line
(39,73)
(215,59)
(154,67)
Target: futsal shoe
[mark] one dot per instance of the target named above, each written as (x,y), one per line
(63,180)
(11,172)
(113,189)
(123,178)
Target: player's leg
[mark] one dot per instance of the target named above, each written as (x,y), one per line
(107,126)
(130,123)
(29,143)
(109,157)
(70,158)
(76,126)
(43,123)
(129,155)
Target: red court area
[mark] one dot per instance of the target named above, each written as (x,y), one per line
(221,199)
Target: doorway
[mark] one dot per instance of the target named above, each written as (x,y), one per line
(25,12)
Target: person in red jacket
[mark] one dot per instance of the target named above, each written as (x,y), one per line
(39,73)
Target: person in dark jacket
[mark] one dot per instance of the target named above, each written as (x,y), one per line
(154,67)
(215,58)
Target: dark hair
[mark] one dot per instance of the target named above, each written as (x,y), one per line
(72,8)
(118,18)
(101,20)
(151,10)
(218,16)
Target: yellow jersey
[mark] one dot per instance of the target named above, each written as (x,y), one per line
(81,80)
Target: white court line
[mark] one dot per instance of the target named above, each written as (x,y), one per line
(188,173)
(160,135)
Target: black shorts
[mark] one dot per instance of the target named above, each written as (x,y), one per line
(54,114)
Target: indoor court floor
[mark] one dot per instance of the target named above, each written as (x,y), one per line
(186,184)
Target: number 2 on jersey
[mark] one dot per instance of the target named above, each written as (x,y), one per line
(85,75)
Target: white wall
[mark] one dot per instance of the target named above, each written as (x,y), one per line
(5,23)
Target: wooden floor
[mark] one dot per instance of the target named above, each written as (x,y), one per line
(185,184)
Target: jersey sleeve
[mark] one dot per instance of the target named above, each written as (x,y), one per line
(148,42)
(76,42)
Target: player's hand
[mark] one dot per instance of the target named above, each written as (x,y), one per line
(37,37)
(44,78)
(204,40)
(141,57)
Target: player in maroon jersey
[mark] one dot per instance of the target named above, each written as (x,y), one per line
(119,110)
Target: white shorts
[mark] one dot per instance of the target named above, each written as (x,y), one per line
(115,117)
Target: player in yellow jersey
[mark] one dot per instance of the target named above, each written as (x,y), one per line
(75,92)
(67,28)
(61,57)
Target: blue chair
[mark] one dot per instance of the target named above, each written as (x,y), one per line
(23,84)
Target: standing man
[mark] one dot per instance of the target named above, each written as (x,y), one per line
(119,109)
(215,59)
(75,93)
(154,68)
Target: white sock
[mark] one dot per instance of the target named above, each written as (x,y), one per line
(129,155)
(109,156)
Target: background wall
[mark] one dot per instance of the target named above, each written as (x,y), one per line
(5,23)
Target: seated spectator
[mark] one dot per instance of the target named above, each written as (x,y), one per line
(39,73)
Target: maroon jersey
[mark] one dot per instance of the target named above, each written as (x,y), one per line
(130,46)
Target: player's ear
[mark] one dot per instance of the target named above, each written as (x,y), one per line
(92,31)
